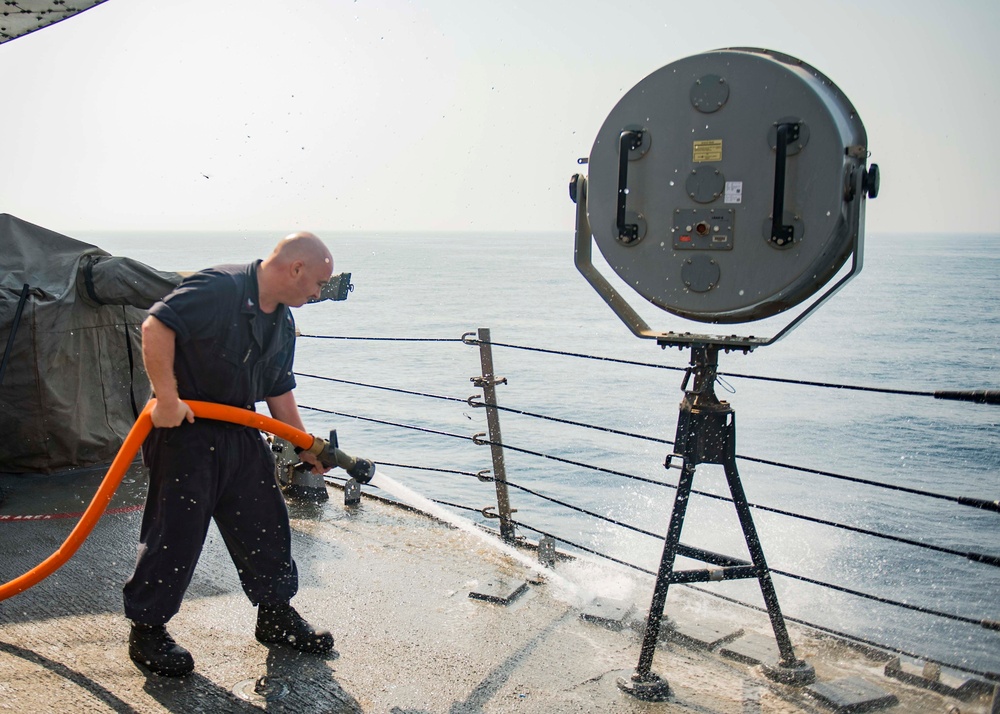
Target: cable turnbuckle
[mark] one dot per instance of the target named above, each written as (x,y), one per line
(488,512)
(487,381)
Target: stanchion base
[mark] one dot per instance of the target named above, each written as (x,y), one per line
(649,687)
(797,673)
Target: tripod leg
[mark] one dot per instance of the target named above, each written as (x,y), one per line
(670,544)
(760,564)
(788,669)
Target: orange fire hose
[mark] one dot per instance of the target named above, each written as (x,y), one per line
(140,430)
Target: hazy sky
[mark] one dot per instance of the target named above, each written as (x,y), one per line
(443,115)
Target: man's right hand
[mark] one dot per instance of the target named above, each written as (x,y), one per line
(168,414)
(158,345)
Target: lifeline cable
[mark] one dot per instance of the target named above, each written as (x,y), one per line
(978,396)
(980,503)
(969,555)
(397,390)
(965,501)
(383,339)
(383,422)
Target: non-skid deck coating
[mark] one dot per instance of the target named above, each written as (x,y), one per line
(393,586)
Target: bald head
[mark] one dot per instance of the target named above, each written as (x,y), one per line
(302,246)
(295,271)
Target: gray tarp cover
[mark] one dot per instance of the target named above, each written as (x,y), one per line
(66,396)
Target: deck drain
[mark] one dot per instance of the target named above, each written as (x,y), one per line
(260,691)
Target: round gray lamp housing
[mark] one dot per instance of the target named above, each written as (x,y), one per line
(729,186)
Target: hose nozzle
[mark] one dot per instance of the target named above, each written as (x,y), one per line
(328,454)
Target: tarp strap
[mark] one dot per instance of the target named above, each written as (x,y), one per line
(88,281)
(131,363)
(13,330)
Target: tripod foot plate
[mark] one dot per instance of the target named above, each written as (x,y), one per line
(798,672)
(648,687)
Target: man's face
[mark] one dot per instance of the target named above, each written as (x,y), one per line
(308,281)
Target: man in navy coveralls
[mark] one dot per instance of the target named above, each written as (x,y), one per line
(223,335)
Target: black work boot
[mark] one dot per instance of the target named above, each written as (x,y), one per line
(154,648)
(282,625)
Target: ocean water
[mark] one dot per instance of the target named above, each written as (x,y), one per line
(923,315)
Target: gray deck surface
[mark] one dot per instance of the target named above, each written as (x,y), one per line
(393,586)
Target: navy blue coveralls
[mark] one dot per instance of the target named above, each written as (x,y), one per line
(227,351)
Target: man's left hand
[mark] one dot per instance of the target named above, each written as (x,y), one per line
(317,466)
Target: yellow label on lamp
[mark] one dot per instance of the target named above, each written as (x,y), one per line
(710,150)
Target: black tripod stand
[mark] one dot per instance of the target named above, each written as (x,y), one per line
(706,433)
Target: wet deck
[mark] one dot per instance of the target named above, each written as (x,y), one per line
(394,587)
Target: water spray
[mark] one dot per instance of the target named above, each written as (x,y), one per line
(423,504)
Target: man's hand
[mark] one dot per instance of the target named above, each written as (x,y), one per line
(317,467)
(170,413)
(158,345)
